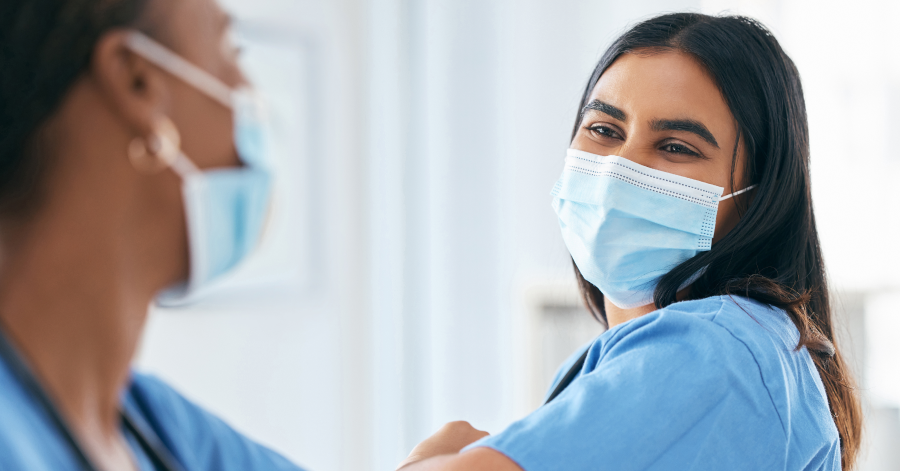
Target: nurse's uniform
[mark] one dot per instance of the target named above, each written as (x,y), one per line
(162,428)
(705,384)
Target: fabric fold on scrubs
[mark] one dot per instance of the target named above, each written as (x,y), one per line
(29,440)
(197,438)
(705,384)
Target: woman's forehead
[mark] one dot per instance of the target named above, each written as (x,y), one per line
(662,85)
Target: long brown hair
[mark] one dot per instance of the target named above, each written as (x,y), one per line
(773,254)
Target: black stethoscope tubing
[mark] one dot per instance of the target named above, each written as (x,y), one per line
(157,454)
(161,458)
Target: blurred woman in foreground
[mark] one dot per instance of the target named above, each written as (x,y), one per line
(131,169)
(685,204)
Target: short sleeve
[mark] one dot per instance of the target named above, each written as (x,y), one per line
(198,439)
(565,367)
(664,391)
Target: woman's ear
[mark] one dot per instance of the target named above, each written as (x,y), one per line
(132,87)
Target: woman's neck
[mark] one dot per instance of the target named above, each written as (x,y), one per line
(616,316)
(74,293)
(65,304)
(77,274)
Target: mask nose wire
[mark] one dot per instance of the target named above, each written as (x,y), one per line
(734,194)
(179,67)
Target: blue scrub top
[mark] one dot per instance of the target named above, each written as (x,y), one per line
(703,384)
(29,440)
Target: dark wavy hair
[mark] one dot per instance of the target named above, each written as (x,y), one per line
(773,254)
(45,45)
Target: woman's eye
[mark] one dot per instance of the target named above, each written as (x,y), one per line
(605,131)
(675,148)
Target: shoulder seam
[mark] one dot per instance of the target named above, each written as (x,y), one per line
(755,361)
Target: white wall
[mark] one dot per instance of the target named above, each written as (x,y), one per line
(285,358)
(420,221)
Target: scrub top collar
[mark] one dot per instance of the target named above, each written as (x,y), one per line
(160,457)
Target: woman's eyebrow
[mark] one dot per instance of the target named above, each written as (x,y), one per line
(604,107)
(690,126)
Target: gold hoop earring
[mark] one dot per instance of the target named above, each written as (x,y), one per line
(157,151)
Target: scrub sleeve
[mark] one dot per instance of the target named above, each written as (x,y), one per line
(198,439)
(704,384)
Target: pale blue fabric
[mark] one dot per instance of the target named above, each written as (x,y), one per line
(233,204)
(705,384)
(626,225)
(226,208)
(229,206)
(199,440)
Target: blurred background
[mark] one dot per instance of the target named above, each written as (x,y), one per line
(414,273)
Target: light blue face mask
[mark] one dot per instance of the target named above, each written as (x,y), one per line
(627,225)
(226,208)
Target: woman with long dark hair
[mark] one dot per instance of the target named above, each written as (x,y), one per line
(131,170)
(685,203)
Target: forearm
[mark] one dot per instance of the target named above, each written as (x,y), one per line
(480,458)
(442,462)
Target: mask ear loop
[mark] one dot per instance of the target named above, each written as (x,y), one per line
(734,194)
(174,64)
(200,79)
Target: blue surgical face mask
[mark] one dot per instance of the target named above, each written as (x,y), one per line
(627,225)
(226,208)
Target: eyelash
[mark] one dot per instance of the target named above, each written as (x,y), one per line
(684,149)
(608,132)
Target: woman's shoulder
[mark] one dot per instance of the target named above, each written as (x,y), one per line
(722,322)
(29,437)
(696,345)
(673,389)
(747,345)
(726,310)
(199,439)
(716,340)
